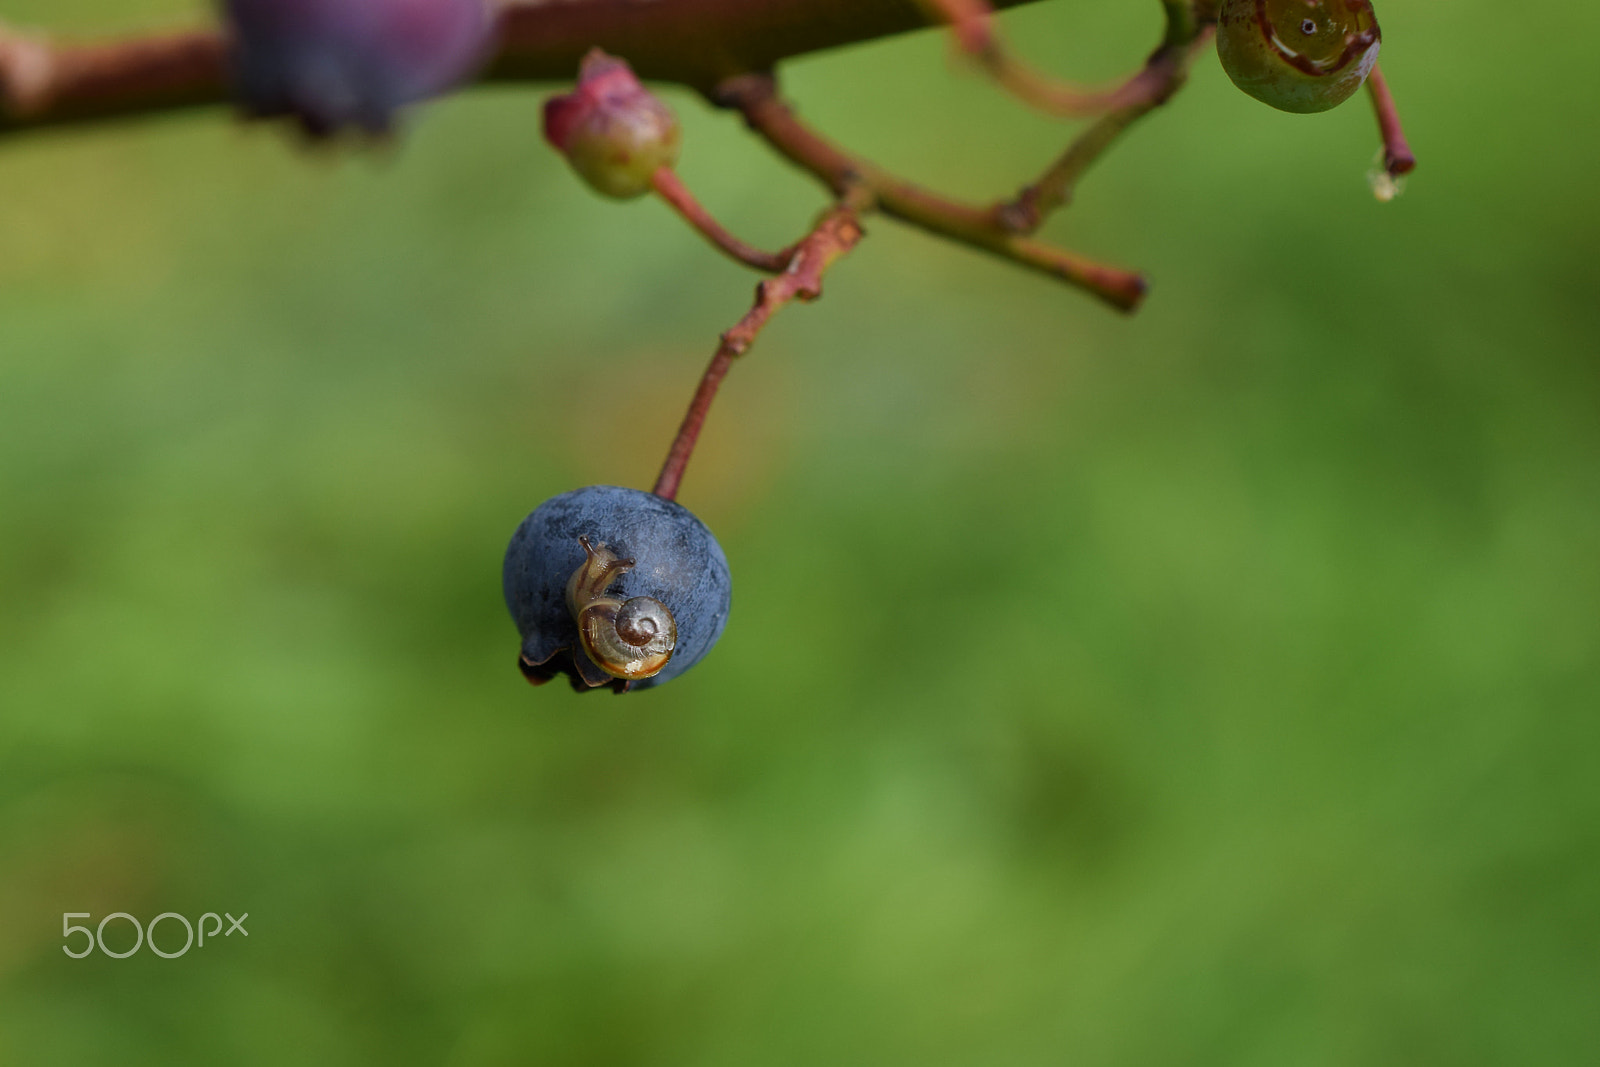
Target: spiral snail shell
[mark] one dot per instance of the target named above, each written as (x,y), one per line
(627,639)
(1298,55)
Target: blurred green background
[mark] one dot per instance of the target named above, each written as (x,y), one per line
(1215,686)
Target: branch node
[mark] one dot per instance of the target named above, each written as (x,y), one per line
(1022,215)
(1164,74)
(743,91)
(833,235)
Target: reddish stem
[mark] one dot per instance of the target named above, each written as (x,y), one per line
(670,188)
(755,96)
(1397,156)
(693,421)
(972,25)
(1162,76)
(834,234)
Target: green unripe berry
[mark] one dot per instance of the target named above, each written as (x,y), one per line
(1298,55)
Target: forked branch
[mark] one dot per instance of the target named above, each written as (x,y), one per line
(755,97)
(1164,74)
(834,235)
(972,24)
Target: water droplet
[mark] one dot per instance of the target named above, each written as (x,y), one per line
(1385,186)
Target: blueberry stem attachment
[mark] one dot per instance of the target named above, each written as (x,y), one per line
(670,188)
(1397,155)
(834,235)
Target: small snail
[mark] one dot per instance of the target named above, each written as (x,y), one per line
(1298,55)
(625,638)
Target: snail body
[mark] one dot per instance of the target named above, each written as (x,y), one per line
(1298,55)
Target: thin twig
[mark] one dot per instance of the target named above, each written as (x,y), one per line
(972,26)
(835,234)
(670,188)
(755,96)
(1165,73)
(46,83)
(1397,156)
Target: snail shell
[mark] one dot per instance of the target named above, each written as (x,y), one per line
(627,639)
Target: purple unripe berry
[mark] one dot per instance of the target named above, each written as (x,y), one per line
(614,131)
(636,551)
(339,63)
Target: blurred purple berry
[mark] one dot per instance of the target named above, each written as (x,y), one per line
(334,64)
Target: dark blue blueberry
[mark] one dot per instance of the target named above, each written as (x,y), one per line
(676,561)
(340,63)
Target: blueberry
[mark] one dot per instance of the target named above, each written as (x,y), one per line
(597,531)
(339,63)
